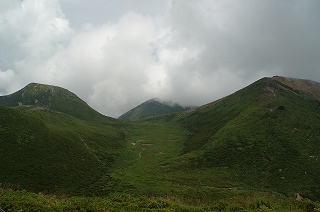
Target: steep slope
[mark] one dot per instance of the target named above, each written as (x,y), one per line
(152,107)
(53,98)
(265,136)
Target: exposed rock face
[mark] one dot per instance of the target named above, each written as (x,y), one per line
(304,87)
(299,197)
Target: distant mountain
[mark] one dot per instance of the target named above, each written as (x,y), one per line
(152,107)
(40,96)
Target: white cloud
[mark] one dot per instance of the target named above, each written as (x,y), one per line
(110,56)
(35,27)
(5,80)
(238,42)
(30,33)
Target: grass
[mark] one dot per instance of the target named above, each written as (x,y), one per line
(53,152)
(15,200)
(149,144)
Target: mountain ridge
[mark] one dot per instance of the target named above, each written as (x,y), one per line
(305,87)
(259,130)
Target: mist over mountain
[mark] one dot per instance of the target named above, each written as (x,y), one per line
(152,107)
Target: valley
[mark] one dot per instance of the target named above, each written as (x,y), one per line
(260,143)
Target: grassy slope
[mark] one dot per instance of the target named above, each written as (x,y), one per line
(263,137)
(64,151)
(46,150)
(261,145)
(149,144)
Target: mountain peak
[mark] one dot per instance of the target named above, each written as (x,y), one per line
(152,107)
(51,97)
(37,87)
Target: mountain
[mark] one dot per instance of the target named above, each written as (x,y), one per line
(261,139)
(264,137)
(152,107)
(53,141)
(40,96)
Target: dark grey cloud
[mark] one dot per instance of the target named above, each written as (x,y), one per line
(243,39)
(117,54)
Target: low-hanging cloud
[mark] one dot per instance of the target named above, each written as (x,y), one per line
(191,52)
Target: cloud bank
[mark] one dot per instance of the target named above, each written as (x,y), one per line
(117,55)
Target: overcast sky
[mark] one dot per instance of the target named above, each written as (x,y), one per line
(118,54)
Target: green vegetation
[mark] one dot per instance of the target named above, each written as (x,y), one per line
(39,96)
(264,136)
(152,107)
(11,200)
(254,150)
(43,150)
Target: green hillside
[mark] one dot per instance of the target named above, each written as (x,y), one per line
(253,150)
(264,137)
(53,98)
(44,150)
(152,107)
